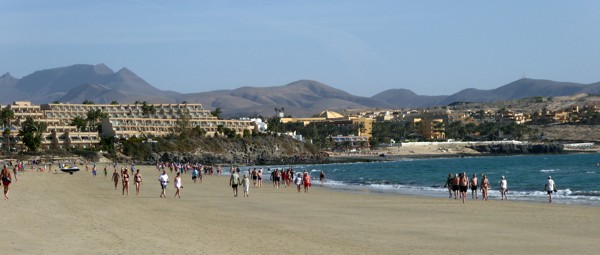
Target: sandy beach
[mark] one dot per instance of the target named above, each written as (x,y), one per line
(82,214)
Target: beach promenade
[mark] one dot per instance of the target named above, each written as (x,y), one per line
(82,214)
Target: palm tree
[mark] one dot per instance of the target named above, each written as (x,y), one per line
(31,131)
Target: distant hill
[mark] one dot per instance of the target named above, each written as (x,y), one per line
(522,88)
(302,98)
(72,83)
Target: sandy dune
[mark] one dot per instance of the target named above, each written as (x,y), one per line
(82,214)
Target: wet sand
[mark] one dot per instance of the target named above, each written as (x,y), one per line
(82,214)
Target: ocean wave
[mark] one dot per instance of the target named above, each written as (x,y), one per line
(548,170)
(565,195)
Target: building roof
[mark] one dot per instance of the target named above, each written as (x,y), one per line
(330,115)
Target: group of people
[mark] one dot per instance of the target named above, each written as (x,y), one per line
(163,180)
(124,177)
(184,167)
(458,185)
(287,176)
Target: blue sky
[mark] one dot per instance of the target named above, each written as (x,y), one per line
(362,47)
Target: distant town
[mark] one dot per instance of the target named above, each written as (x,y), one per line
(29,127)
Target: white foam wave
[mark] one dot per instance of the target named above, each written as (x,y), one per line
(548,170)
(561,196)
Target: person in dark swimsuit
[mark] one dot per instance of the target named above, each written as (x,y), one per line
(125,181)
(473,185)
(463,186)
(6,180)
(137,178)
(455,182)
(449,184)
(116,177)
(322,178)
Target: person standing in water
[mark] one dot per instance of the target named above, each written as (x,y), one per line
(322,178)
(485,186)
(503,188)
(550,188)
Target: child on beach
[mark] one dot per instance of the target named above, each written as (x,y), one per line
(246,183)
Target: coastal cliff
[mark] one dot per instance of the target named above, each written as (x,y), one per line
(536,148)
(256,150)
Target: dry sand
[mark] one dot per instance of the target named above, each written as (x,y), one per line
(82,214)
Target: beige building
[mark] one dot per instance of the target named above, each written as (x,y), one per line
(121,121)
(57,134)
(335,118)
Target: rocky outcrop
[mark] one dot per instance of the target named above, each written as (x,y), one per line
(537,148)
(263,151)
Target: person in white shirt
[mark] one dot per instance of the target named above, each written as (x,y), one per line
(550,188)
(163,179)
(503,188)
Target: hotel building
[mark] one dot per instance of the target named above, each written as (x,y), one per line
(121,121)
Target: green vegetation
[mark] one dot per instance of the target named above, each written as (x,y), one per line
(31,133)
(6,116)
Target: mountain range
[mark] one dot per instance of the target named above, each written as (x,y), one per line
(100,84)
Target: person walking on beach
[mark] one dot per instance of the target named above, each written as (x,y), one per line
(473,184)
(455,185)
(449,184)
(464,186)
(276,178)
(298,181)
(115,178)
(550,188)
(6,180)
(137,178)
(503,188)
(306,181)
(485,185)
(254,175)
(178,185)
(246,183)
(163,179)
(125,181)
(260,177)
(16,170)
(234,180)
(195,175)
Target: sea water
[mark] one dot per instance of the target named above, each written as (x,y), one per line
(577,176)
